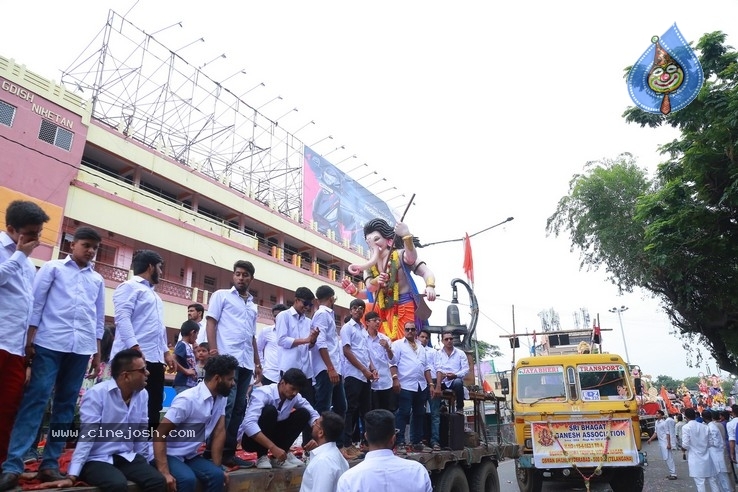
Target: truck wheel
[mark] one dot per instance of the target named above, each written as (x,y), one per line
(529,479)
(452,479)
(484,478)
(627,480)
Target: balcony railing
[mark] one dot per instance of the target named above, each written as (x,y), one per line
(119,275)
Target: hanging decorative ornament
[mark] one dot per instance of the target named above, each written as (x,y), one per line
(667,76)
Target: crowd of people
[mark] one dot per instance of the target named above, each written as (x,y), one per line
(345,389)
(706,440)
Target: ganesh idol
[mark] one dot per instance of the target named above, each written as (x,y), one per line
(388,279)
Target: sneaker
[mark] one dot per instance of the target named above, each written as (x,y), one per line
(236,462)
(263,463)
(671,477)
(422,448)
(400,450)
(436,447)
(291,458)
(285,465)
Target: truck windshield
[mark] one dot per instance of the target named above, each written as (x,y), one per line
(541,383)
(603,382)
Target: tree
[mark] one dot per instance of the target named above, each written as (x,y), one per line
(692,382)
(676,235)
(486,351)
(667,382)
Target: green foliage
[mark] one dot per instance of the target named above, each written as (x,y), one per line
(692,382)
(667,382)
(676,235)
(486,351)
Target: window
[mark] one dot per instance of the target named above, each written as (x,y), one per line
(55,135)
(209,282)
(541,383)
(7,113)
(603,382)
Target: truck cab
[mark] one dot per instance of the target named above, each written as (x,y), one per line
(576,419)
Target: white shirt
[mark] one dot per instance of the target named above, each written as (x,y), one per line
(325,467)
(236,325)
(382,471)
(381,361)
(68,307)
(139,320)
(191,410)
(411,364)
(716,443)
(695,440)
(266,345)
(269,395)
(325,320)
(291,326)
(456,363)
(355,336)
(16,296)
(431,353)
(103,404)
(663,429)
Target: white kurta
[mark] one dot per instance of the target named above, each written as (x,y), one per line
(695,439)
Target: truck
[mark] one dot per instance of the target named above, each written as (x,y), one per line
(576,420)
(470,467)
(648,415)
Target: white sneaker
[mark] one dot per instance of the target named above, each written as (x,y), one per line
(263,462)
(291,458)
(285,465)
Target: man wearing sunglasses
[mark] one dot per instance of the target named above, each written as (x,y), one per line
(295,338)
(451,366)
(411,376)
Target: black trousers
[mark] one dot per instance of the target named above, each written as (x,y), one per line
(385,400)
(358,394)
(155,389)
(114,478)
(282,433)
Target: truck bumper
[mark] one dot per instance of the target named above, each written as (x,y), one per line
(526,460)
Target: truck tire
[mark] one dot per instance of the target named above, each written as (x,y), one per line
(452,479)
(484,478)
(627,479)
(529,479)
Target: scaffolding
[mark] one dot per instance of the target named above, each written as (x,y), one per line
(151,94)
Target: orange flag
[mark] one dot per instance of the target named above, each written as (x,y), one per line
(670,408)
(468,260)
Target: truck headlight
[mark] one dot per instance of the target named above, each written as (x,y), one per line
(529,443)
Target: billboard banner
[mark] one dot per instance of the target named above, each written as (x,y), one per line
(336,202)
(582,443)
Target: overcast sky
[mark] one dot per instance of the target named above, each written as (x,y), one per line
(484,110)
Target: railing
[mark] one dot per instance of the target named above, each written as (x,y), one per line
(117,274)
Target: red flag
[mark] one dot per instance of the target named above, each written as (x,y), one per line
(596,334)
(468,260)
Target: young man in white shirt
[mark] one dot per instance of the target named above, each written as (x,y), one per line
(695,440)
(381,469)
(326,355)
(667,442)
(380,348)
(231,327)
(118,404)
(266,345)
(296,337)
(139,324)
(64,331)
(327,464)
(200,411)
(276,415)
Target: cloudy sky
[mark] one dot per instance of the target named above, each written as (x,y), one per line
(484,110)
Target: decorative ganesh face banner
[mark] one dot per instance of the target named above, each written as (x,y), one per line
(667,76)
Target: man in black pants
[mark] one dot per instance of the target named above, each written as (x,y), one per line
(271,425)
(118,404)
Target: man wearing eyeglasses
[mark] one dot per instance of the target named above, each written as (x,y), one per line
(411,376)
(119,404)
(451,366)
(295,338)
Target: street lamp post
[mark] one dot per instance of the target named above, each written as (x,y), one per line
(620,310)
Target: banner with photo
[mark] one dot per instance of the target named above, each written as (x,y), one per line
(336,202)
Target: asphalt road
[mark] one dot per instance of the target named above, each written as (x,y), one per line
(655,474)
